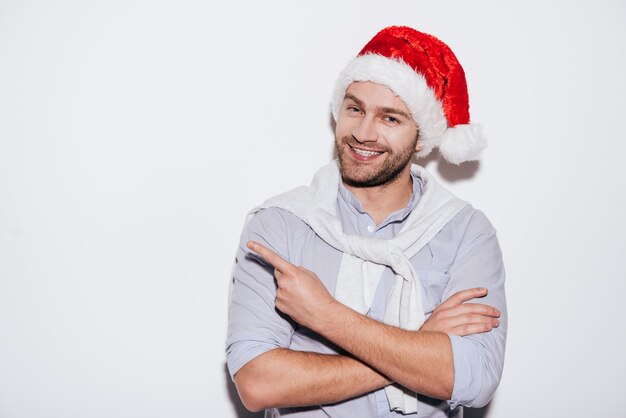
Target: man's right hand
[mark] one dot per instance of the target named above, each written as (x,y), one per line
(456,317)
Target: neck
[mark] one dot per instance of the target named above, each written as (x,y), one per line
(380,201)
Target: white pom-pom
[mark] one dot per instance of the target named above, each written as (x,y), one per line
(462,143)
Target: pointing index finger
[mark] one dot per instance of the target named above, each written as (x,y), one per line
(270,256)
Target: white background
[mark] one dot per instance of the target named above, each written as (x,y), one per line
(135,135)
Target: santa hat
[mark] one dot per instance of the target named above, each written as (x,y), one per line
(426,75)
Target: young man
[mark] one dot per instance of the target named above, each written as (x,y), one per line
(353,297)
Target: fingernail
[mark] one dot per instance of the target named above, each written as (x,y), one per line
(496,322)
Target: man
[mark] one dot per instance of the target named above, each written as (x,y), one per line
(353,297)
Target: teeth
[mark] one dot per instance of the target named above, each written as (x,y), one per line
(366,153)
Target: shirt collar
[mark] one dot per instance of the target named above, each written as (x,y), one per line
(397,216)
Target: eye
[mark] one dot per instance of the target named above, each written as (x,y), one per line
(353,109)
(392,119)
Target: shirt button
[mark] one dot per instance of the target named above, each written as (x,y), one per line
(370,228)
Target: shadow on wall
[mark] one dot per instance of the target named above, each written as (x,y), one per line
(448,171)
(477,412)
(240,410)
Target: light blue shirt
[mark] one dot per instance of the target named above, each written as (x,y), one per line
(463,255)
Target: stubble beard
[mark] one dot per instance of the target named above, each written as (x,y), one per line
(386,173)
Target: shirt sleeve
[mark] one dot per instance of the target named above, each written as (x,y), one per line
(478,358)
(254,324)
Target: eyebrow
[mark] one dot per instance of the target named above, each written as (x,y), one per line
(379,109)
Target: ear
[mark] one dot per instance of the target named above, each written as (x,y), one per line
(418,143)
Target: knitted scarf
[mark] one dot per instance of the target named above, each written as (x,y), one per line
(365,258)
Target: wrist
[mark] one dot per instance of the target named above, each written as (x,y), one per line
(331,319)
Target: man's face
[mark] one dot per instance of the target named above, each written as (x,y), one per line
(375,136)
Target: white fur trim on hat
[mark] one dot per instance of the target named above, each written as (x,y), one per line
(462,143)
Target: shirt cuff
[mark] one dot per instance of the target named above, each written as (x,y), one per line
(468,371)
(238,354)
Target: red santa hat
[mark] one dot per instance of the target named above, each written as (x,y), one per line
(426,75)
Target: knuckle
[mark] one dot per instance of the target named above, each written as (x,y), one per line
(464,330)
(460,295)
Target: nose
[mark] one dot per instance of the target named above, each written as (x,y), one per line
(365,131)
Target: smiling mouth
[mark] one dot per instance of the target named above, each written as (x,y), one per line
(365,153)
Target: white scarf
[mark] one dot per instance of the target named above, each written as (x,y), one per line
(365,258)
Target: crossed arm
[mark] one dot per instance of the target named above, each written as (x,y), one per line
(381,354)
